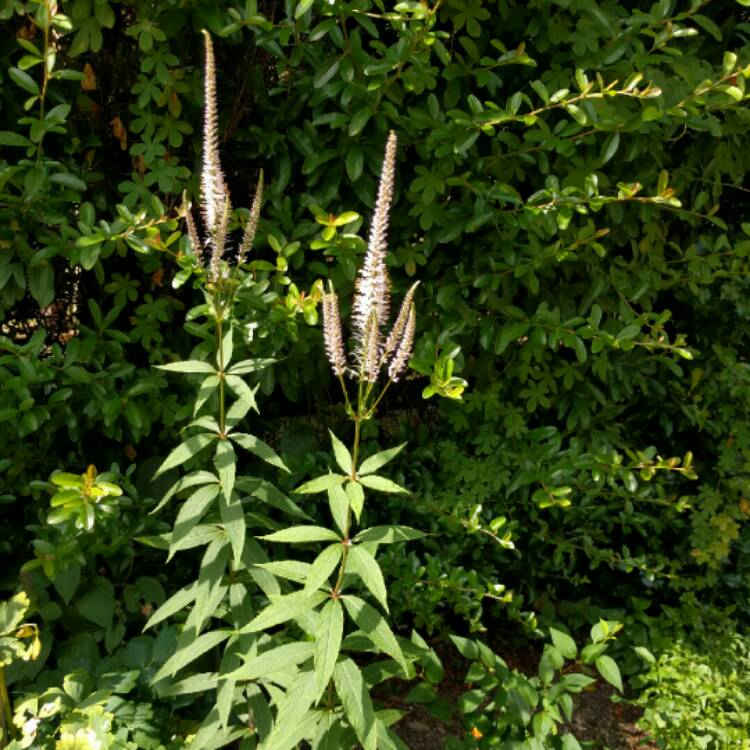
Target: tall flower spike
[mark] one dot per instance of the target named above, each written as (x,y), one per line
(215,197)
(332,332)
(193,232)
(219,239)
(397,332)
(252,223)
(369,356)
(404,348)
(373,288)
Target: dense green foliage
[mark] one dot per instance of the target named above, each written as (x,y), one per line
(571,192)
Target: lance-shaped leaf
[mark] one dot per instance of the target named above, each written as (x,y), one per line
(355,698)
(243,391)
(321,484)
(208,386)
(189,365)
(190,514)
(246,366)
(294,720)
(225,462)
(174,604)
(195,683)
(373,463)
(356,496)
(189,649)
(388,534)
(302,534)
(375,627)
(284,608)
(233,520)
(267,493)
(210,589)
(341,453)
(328,643)
(375,482)
(189,480)
(361,562)
(338,502)
(292,570)
(323,565)
(279,659)
(259,448)
(185,450)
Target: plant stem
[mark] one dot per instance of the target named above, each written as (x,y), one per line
(222,396)
(6,713)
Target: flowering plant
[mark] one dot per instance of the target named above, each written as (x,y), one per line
(277,687)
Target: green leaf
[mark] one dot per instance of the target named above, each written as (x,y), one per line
(190,514)
(302,7)
(284,608)
(68,180)
(645,654)
(325,74)
(189,480)
(323,565)
(388,534)
(225,462)
(359,120)
(338,503)
(24,80)
(576,113)
(189,649)
(512,331)
(341,452)
(564,643)
(42,284)
(708,25)
(7,138)
(328,643)
(375,627)
(259,448)
(303,534)
(321,484)
(361,562)
(610,147)
(609,671)
(66,582)
(174,604)
(97,604)
(188,365)
(292,570)
(355,698)
(246,366)
(356,497)
(243,391)
(467,648)
(279,659)
(375,482)
(202,682)
(295,721)
(373,463)
(233,518)
(185,451)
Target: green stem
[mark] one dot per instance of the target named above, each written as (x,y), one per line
(222,395)
(6,712)
(347,530)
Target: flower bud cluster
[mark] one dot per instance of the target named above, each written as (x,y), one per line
(215,205)
(371,304)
